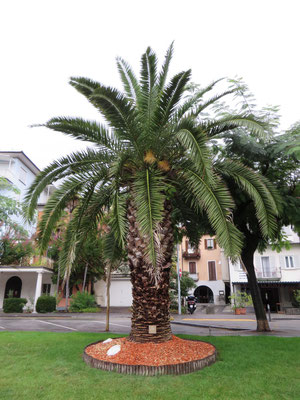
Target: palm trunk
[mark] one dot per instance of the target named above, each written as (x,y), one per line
(108,280)
(84,278)
(247,258)
(150,320)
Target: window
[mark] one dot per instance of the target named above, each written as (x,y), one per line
(212,271)
(289,262)
(192,267)
(210,244)
(266,268)
(46,288)
(189,248)
(22,176)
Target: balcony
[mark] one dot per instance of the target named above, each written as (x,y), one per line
(269,274)
(191,253)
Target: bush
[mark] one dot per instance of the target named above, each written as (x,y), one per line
(14,305)
(46,304)
(296,298)
(82,301)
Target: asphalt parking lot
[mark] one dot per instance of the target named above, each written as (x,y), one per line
(197,324)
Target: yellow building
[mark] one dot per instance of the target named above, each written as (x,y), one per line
(208,266)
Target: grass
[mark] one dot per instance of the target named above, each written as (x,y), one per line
(46,366)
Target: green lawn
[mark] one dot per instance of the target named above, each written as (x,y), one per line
(42,365)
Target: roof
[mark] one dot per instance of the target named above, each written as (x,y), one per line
(23,268)
(22,157)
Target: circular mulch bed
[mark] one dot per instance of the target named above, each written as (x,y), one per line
(177,356)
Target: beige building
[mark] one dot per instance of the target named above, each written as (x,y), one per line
(208,266)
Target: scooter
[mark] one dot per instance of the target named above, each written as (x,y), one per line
(191,304)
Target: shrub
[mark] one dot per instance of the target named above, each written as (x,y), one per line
(296,298)
(91,310)
(81,301)
(46,304)
(14,305)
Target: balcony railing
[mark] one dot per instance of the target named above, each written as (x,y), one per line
(191,254)
(273,273)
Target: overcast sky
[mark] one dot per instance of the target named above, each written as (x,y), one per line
(44,42)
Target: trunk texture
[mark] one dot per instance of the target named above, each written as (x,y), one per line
(150,287)
(108,281)
(247,258)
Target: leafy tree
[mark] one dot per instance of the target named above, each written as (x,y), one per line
(266,156)
(10,207)
(15,251)
(152,168)
(186,283)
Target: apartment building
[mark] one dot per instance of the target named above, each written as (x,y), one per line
(208,267)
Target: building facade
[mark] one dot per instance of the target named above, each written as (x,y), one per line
(24,281)
(278,274)
(208,267)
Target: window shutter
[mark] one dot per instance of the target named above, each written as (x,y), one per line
(186,245)
(215,244)
(205,243)
(212,271)
(192,267)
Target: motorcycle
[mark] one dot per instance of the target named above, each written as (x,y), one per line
(191,304)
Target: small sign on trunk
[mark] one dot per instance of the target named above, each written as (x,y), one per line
(152,328)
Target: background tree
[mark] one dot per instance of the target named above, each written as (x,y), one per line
(186,283)
(153,152)
(282,169)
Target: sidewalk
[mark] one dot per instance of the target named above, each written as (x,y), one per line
(281,325)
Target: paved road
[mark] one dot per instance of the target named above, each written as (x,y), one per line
(197,324)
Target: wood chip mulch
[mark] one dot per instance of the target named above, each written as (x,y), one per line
(175,351)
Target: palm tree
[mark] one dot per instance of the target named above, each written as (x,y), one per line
(151,167)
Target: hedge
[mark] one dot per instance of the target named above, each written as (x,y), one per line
(14,305)
(46,304)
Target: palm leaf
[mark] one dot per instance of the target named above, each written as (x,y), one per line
(149,199)
(216,202)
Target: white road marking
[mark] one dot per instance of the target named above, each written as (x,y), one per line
(1,327)
(61,326)
(103,322)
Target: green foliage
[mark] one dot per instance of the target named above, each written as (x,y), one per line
(46,304)
(87,310)
(296,298)
(186,283)
(15,252)
(82,301)
(241,299)
(14,305)
(154,146)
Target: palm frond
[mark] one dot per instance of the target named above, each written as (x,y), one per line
(254,185)
(118,220)
(81,161)
(130,82)
(231,122)
(84,86)
(211,101)
(196,150)
(118,111)
(171,97)
(165,68)
(149,199)
(81,129)
(217,203)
